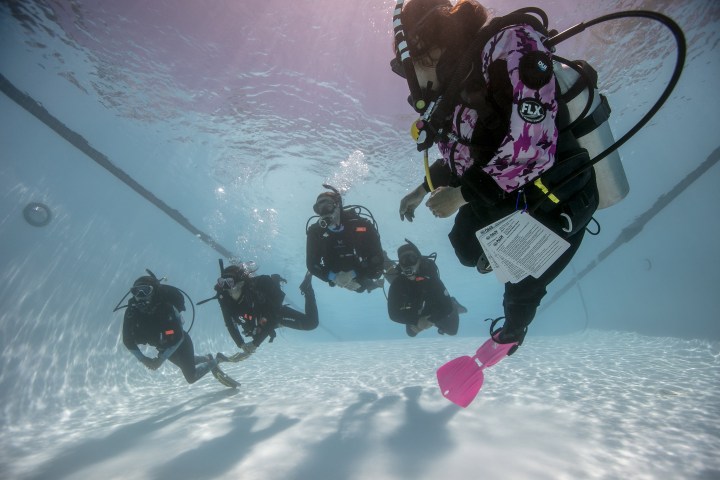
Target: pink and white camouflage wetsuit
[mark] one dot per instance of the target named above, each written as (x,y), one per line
(528,148)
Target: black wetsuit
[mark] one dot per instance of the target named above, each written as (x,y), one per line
(410,298)
(356,247)
(162,328)
(260,311)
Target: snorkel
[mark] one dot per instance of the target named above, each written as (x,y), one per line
(402,64)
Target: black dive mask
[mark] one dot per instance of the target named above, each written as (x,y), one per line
(409,262)
(225,283)
(326,208)
(143,296)
(142,293)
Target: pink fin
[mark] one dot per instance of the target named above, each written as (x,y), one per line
(492,352)
(460,380)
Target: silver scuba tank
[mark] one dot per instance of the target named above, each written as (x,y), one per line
(594,135)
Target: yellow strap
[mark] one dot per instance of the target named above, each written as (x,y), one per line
(543,188)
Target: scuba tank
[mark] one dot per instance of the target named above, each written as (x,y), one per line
(592,129)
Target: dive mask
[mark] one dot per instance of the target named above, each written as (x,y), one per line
(142,293)
(325,207)
(225,283)
(409,261)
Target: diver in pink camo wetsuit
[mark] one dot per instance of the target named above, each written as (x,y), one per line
(502,133)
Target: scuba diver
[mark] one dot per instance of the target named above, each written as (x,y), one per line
(153,318)
(343,246)
(252,307)
(418,298)
(489,101)
(525,142)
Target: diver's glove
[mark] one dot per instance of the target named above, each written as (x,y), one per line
(410,202)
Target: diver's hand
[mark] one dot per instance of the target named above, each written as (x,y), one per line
(343,279)
(424,323)
(152,363)
(445,201)
(410,202)
(353,285)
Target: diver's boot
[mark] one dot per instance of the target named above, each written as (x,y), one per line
(517,318)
